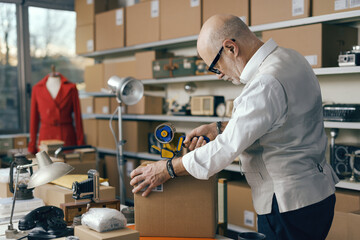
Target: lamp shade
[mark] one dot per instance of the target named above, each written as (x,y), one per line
(128,90)
(48,170)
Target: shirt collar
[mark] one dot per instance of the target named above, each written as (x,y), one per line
(256,60)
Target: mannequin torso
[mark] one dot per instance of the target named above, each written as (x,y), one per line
(53,85)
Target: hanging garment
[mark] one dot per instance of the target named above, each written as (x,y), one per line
(55,115)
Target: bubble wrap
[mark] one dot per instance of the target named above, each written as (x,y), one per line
(103,219)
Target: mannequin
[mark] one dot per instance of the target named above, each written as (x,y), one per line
(53,85)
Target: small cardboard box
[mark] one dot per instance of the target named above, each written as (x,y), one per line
(90,132)
(240,8)
(120,69)
(20,142)
(4,190)
(110,29)
(269,11)
(87,105)
(83,232)
(94,77)
(319,43)
(55,195)
(183,207)
(147,105)
(85,39)
(102,105)
(241,211)
(81,167)
(142,23)
(179,18)
(144,62)
(86,154)
(347,200)
(86,10)
(321,7)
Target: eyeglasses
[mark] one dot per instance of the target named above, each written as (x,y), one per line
(216,59)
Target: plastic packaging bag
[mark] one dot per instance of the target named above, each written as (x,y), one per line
(103,219)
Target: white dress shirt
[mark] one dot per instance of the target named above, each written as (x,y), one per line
(277,130)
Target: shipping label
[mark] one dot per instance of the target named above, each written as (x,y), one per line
(89,2)
(154,9)
(105,109)
(298,7)
(194,3)
(119,17)
(354,3)
(90,45)
(89,109)
(249,218)
(340,4)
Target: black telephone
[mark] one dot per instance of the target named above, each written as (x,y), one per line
(46,223)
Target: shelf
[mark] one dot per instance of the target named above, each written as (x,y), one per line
(141,155)
(15,135)
(199,78)
(348,185)
(158,118)
(96,94)
(343,125)
(336,70)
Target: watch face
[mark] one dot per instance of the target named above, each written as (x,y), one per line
(220,110)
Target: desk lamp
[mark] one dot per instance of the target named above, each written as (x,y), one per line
(47,172)
(128,91)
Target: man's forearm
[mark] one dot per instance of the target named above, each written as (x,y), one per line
(179,168)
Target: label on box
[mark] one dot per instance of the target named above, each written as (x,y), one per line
(187,64)
(119,17)
(20,143)
(89,2)
(89,109)
(159,188)
(90,45)
(105,109)
(354,3)
(194,3)
(340,4)
(243,18)
(154,9)
(298,7)
(312,59)
(157,67)
(249,218)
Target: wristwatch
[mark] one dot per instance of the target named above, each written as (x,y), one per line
(218,127)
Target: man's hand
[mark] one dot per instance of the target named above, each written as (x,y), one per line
(151,176)
(195,140)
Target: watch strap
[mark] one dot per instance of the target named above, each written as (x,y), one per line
(170,168)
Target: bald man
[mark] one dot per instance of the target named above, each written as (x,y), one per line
(276,129)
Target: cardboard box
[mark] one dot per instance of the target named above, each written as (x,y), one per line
(240,207)
(86,154)
(112,174)
(179,18)
(55,195)
(86,10)
(110,29)
(6,144)
(142,23)
(20,142)
(240,8)
(347,200)
(94,78)
(136,135)
(102,105)
(4,190)
(353,225)
(105,137)
(269,11)
(319,43)
(185,207)
(339,227)
(83,232)
(81,167)
(321,7)
(120,69)
(85,39)
(90,132)
(147,105)
(174,67)
(144,62)
(87,105)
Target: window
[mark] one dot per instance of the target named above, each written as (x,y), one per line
(9,83)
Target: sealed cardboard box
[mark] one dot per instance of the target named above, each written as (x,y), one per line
(87,105)
(102,105)
(182,207)
(136,135)
(347,200)
(93,78)
(269,11)
(144,62)
(319,43)
(55,195)
(20,142)
(120,69)
(339,227)
(85,39)
(240,8)
(90,132)
(142,23)
(105,136)
(81,167)
(110,29)
(321,7)
(147,105)
(179,18)
(241,211)
(83,232)
(86,10)
(86,154)
(353,225)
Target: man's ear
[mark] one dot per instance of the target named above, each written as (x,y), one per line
(230,46)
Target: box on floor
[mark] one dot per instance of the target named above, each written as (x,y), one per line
(319,43)
(269,11)
(240,8)
(182,207)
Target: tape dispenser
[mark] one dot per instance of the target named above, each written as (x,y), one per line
(172,142)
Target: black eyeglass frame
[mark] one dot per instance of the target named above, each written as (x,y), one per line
(216,59)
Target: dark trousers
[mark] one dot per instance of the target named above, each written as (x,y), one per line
(309,223)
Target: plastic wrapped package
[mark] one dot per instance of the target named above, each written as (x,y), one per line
(103,219)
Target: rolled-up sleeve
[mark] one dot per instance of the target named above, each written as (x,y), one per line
(261,108)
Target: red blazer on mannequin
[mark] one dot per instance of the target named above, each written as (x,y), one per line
(55,115)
